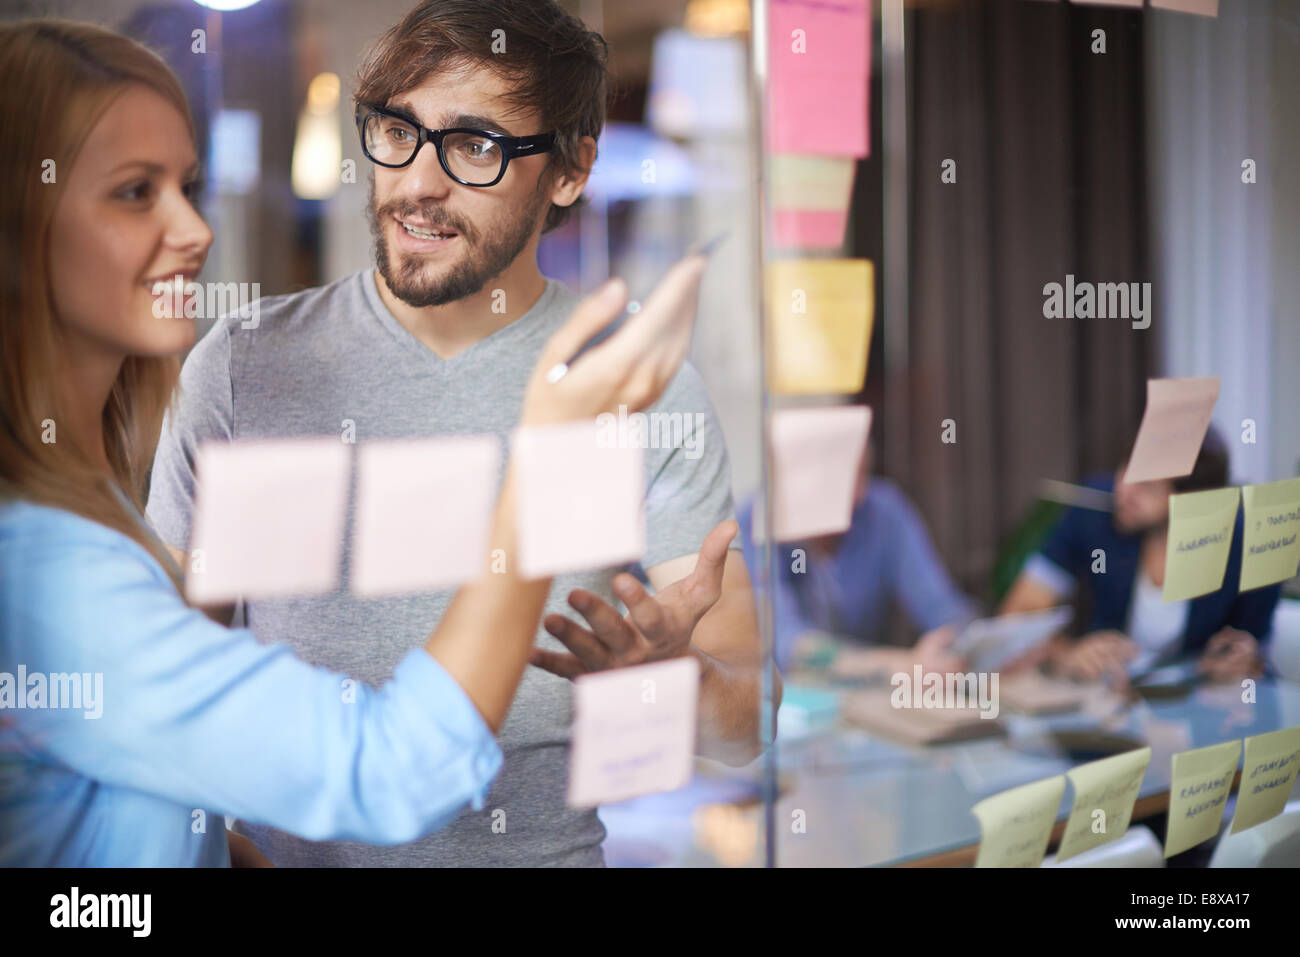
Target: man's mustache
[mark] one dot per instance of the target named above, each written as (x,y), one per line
(436,219)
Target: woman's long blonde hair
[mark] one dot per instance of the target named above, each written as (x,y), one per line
(56,80)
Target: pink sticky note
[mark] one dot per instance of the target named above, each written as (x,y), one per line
(819,69)
(268,518)
(424,513)
(633,731)
(1173,427)
(1203,8)
(816,455)
(1109,3)
(580,498)
(809,228)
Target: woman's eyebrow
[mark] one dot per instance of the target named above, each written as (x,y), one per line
(147,165)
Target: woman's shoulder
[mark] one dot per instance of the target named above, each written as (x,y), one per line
(32,534)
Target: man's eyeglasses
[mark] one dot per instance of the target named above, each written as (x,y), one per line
(470,157)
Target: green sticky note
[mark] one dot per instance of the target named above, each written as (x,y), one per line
(1104,793)
(1270,547)
(1200,537)
(1266,777)
(1016,825)
(1198,794)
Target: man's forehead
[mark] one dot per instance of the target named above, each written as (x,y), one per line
(450,95)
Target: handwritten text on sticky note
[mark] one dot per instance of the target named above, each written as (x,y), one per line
(1104,793)
(1016,825)
(1270,548)
(633,731)
(1200,540)
(1198,794)
(1267,776)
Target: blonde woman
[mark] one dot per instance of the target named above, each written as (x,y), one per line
(183,720)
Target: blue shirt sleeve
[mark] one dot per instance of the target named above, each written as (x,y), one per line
(210,717)
(921,583)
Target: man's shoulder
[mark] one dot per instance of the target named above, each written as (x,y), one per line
(285,312)
(267,324)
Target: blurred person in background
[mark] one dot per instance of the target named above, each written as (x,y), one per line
(1131,629)
(844,585)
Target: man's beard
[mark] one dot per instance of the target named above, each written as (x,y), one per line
(405,273)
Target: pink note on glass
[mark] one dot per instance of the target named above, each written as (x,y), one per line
(1203,8)
(809,228)
(816,455)
(1173,427)
(268,519)
(819,72)
(580,498)
(424,513)
(633,731)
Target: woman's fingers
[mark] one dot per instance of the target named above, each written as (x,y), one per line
(651,345)
(592,315)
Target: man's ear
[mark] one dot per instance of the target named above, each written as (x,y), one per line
(568,186)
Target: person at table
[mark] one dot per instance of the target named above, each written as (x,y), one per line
(1131,630)
(845,584)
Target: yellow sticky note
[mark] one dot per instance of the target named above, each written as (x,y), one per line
(1266,777)
(1270,547)
(819,320)
(801,181)
(1200,538)
(1104,792)
(1198,794)
(1016,825)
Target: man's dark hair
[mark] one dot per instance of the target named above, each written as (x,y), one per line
(1211,469)
(555,65)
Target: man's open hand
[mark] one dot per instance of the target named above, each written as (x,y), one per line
(656,626)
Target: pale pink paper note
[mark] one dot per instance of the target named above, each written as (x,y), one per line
(1173,427)
(633,731)
(1202,8)
(816,455)
(819,68)
(424,513)
(580,497)
(268,519)
(809,228)
(1109,3)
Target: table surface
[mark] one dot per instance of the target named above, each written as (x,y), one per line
(853,799)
